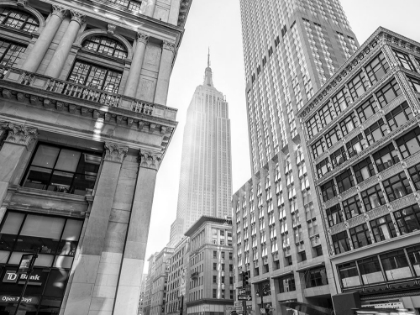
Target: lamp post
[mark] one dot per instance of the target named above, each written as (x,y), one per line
(26,265)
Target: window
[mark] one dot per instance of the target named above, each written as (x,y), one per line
(345,181)
(62,169)
(214,254)
(375,131)
(333,136)
(399,116)
(408,219)
(360,236)
(95,77)
(105,45)
(18,19)
(352,207)
(415,175)
(128,4)
(397,186)
(328,190)
(355,145)
(325,114)
(316,277)
(312,126)
(10,53)
(415,83)
(335,215)
(367,109)
(363,170)
(341,242)
(214,293)
(348,123)
(388,93)
(349,275)
(223,255)
(395,265)
(323,168)
(338,157)
(214,266)
(414,256)
(404,60)
(373,197)
(339,101)
(377,68)
(386,157)
(383,228)
(370,270)
(357,86)
(409,143)
(287,284)
(214,279)
(230,256)
(318,148)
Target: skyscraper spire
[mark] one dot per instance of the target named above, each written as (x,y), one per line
(208,59)
(208,77)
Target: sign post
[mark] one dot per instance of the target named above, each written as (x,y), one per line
(26,265)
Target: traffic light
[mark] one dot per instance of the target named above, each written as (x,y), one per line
(245,278)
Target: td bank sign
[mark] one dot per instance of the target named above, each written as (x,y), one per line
(12,277)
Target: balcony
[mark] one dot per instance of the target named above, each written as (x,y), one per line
(194,275)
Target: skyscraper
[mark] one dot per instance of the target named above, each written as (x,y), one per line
(205,185)
(291,47)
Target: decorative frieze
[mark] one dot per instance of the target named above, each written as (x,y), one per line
(115,152)
(378,212)
(403,202)
(21,134)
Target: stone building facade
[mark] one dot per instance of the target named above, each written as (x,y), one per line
(365,159)
(83,128)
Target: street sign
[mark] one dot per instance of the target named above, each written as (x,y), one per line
(242,291)
(244,297)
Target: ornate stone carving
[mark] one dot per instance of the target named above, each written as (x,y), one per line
(168,46)
(77,17)
(59,10)
(111,29)
(150,159)
(21,134)
(115,152)
(142,37)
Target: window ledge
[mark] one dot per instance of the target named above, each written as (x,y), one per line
(47,193)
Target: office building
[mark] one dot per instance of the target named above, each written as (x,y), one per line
(365,159)
(291,48)
(205,185)
(83,128)
(142,294)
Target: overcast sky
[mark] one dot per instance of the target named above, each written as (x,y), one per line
(217,24)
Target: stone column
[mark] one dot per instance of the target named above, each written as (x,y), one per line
(34,58)
(82,288)
(136,65)
(174,12)
(128,292)
(164,73)
(19,138)
(150,9)
(60,55)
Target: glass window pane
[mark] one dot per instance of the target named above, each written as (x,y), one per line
(12,224)
(45,156)
(72,230)
(41,226)
(4,256)
(63,262)
(44,260)
(68,160)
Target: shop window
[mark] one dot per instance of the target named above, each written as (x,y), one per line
(404,60)
(345,181)
(287,283)
(414,256)
(333,136)
(10,53)
(328,190)
(367,109)
(377,68)
(349,275)
(383,228)
(388,93)
(316,277)
(352,207)
(339,101)
(408,219)
(409,143)
(415,175)
(364,170)
(334,215)
(370,270)
(375,131)
(360,236)
(105,45)
(355,145)
(318,148)
(399,116)
(386,157)
(312,126)
(338,157)
(396,265)
(323,168)
(62,169)
(341,242)
(18,19)
(348,123)
(95,77)
(415,83)
(373,197)
(128,4)
(357,86)
(397,186)
(326,114)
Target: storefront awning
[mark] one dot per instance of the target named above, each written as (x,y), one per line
(260,280)
(282,274)
(308,309)
(311,266)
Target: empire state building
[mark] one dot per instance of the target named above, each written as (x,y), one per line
(205,186)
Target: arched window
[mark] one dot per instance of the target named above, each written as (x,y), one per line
(128,4)
(106,45)
(10,53)
(18,19)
